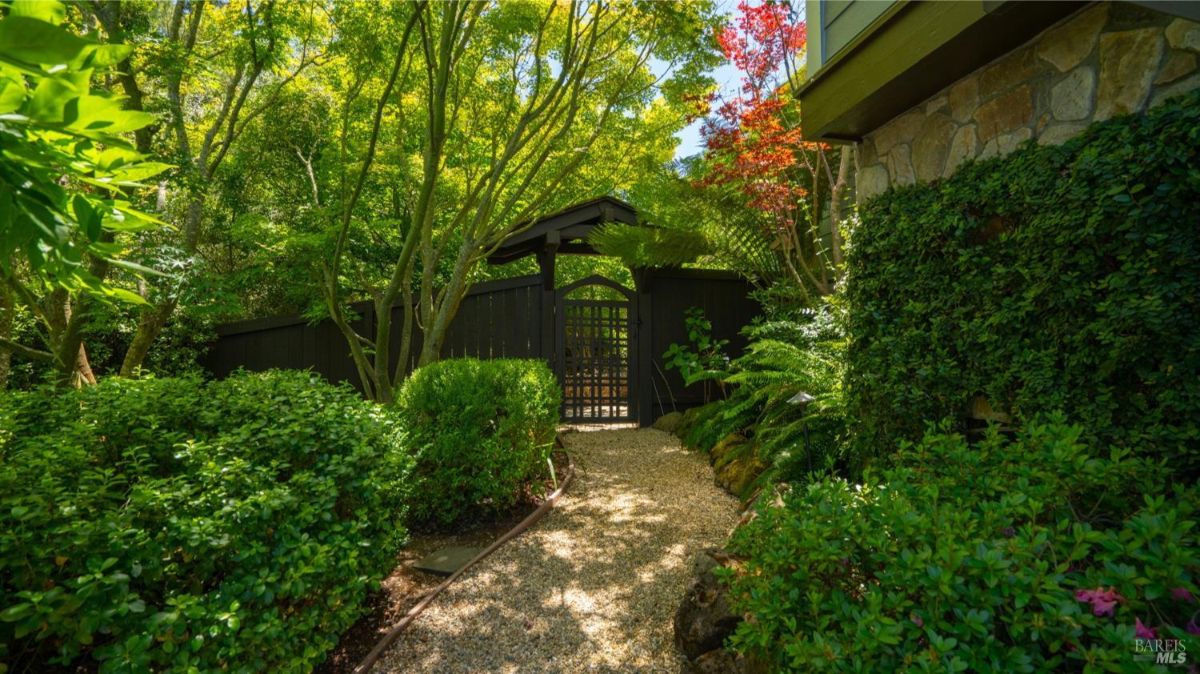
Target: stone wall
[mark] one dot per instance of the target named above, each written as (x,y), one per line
(1105,60)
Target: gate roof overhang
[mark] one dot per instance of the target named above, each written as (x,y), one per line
(565,231)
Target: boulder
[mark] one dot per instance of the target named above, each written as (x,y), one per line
(930,148)
(704,618)
(872,180)
(668,422)
(1068,44)
(1177,65)
(736,465)
(963,147)
(1128,62)
(1005,113)
(900,166)
(964,98)
(1071,99)
(738,475)
(716,661)
(686,423)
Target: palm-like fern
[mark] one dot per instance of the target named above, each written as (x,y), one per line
(649,246)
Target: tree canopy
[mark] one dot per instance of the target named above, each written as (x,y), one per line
(267,157)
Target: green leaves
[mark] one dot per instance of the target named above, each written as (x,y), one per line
(64,160)
(704,358)
(175,525)
(481,432)
(1052,278)
(649,246)
(932,566)
(31,38)
(784,358)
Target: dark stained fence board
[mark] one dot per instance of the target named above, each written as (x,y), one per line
(509,319)
(726,302)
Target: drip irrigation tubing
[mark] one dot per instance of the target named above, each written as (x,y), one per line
(533,518)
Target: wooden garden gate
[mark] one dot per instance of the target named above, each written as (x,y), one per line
(595,351)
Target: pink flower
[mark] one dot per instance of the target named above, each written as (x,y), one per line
(1141,631)
(1192,627)
(1182,594)
(916,619)
(1102,601)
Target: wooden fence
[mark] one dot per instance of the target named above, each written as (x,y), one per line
(519,318)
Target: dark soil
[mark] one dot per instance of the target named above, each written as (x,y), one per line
(406,586)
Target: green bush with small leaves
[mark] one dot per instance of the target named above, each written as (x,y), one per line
(190,526)
(1033,555)
(1054,278)
(481,432)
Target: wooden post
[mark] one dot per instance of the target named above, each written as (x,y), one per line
(545,258)
(643,378)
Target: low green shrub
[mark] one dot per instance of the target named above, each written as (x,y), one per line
(178,525)
(1022,556)
(1054,278)
(481,431)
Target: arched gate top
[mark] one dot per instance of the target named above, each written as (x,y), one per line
(596,280)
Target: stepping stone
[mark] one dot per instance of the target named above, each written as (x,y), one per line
(447,560)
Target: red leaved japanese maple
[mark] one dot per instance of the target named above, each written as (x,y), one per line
(754,145)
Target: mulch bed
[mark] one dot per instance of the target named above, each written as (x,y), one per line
(406,586)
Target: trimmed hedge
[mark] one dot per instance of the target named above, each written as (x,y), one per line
(1055,278)
(481,431)
(177,525)
(1025,556)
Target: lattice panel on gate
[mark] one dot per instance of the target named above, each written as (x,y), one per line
(595,360)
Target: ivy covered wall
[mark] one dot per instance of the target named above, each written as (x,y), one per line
(1057,277)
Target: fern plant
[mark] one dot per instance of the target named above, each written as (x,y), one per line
(785,358)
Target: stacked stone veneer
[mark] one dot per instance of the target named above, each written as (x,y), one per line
(1108,59)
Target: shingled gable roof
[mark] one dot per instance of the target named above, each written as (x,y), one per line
(566,230)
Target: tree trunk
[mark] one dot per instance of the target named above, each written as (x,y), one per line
(82,373)
(67,338)
(838,199)
(452,295)
(7,310)
(150,324)
(153,319)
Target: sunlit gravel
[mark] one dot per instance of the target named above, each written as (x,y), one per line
(594,586)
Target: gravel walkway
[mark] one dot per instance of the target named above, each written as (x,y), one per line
(594,586)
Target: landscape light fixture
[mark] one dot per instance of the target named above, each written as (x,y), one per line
(803,399)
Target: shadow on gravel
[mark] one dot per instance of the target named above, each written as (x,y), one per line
(595,585)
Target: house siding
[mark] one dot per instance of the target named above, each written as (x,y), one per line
(843,20)
(1106,60)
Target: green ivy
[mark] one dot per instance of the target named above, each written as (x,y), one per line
(481,432)
(1055,278)
(177,525)
(703,358)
